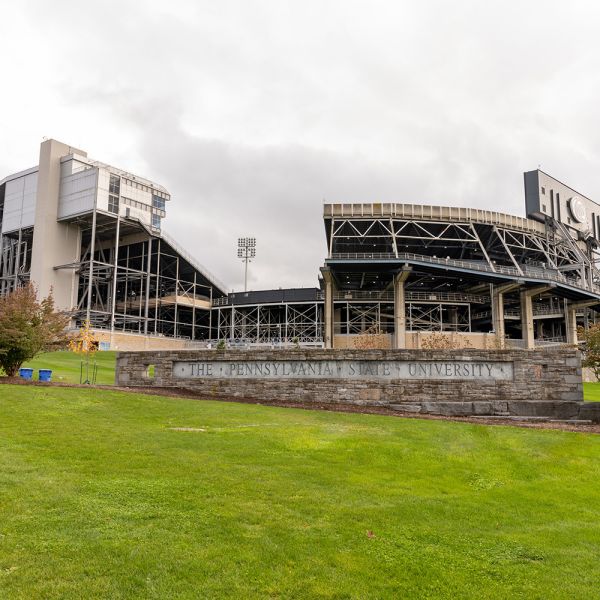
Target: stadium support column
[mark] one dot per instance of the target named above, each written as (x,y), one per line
(571,319)
(400,308)
(328,307)
(498,292)
(147,294)
(18,259)
(527,333)
(90,281)
(113,303)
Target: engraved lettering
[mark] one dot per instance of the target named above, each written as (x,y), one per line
(338,369)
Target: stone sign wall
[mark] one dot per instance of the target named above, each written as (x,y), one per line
(343,369)
(454,382)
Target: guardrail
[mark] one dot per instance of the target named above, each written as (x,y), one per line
(432,213)
(553,341)
(533,272)
(275,344)
(411,296)
(386,296)
(192,260)
(515,312)
(224,301)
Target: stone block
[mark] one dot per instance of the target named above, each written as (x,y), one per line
(411,408)
(449,409)
(483,408)
(560,410)
(590,410)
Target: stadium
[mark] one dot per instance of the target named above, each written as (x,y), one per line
(395,275)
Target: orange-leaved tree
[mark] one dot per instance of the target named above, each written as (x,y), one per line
(86,344)
(28,327)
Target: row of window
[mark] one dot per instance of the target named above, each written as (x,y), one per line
(145,188)
(113,207)
(137,204)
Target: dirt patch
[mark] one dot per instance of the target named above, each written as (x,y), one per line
(186,393)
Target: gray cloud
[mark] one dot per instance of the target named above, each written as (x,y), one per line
(252,113)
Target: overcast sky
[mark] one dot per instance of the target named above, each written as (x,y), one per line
(253,112)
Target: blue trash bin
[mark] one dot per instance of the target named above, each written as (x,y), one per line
(45,375)
(26,373)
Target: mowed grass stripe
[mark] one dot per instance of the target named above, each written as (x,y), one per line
(102,496)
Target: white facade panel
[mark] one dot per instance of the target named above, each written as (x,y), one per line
(19,203)
(29,200)
(77,188)
(103,184)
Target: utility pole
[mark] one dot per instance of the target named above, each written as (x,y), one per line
(246,251)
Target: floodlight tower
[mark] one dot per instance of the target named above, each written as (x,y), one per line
(246,251)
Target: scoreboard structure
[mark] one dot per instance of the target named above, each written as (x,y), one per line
(547,198)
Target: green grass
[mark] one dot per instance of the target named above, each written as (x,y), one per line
(66,366)
(591,392)
(100,497)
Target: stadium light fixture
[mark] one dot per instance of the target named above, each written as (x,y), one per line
(246,251)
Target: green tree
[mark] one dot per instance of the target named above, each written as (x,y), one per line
(591,348)
(28,327)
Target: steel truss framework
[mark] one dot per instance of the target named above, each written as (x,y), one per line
(446,256)
(282,323)
(302,323)
(140,284)
(127,279)
(356,318)
(15,259)
(486,247)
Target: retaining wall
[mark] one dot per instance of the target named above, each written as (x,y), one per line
(447,382)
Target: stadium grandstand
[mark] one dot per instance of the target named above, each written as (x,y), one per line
(394,273)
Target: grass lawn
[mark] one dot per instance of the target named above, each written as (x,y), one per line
(591,392)
(101,496)
(66,366)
